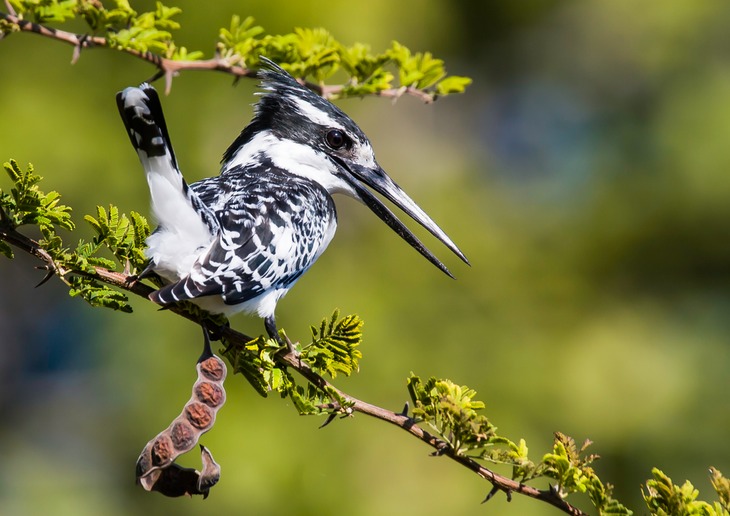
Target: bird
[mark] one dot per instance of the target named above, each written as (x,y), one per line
(238,241)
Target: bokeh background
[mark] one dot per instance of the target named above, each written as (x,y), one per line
(585,174)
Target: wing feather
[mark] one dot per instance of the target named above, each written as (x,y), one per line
(268,238)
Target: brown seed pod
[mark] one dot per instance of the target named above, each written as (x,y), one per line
(155,469)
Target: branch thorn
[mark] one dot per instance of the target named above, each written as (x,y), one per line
(50,271)
(77,48)
(491,493)
(404,412)
(169,75)
(330,417)
(10,9)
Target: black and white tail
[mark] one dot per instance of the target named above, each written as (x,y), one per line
(175,206)
(185,223)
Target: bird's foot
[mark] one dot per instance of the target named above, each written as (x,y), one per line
(287,346)
(147,273)
(285,343)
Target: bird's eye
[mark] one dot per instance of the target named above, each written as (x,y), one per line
(336,139)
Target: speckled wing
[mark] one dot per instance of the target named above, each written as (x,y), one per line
(269,235)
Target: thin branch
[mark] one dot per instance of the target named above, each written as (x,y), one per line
(27,245)
(401,420)
(406,423)
(170,68)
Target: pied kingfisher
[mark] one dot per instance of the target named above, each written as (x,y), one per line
(240,240)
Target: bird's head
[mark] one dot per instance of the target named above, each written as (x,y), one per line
(303,133)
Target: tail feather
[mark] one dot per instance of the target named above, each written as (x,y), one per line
(186,223)
(184,290)
(142,114)
(145,123)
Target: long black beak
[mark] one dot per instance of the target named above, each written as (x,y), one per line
(376,178)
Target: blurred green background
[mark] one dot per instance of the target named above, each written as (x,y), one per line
(585,175)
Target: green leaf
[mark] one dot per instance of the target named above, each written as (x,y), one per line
(334,345)
(419,70)
(98,294)
(182,54)
(307,53)
(336,338)
(54,10)
(722,487)
(379,80)
(237,43)
(452,84)
(100,19)
(570,466)
(27,204)
(256,362)
(358,61)
(6,250)
(123,236)
(566,465)
(452,411)
(663,497)
(307,400)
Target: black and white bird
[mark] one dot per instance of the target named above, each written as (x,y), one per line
(239,241)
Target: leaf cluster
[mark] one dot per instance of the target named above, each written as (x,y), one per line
(26,204)
(305,53)
(123,237)
(333,347)
(664,498)
(45,11)
(316,53)
(123,27)
(332,350)
(452,411)
(571,468)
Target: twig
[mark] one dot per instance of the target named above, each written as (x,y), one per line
(27,245)
(406,423)
(401,420)
(170,68)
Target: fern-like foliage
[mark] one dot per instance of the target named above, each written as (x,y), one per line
(256,362)
(123,236)
(309,54)
(571,467)
(722,487)
(315,53)
(452,411)
(25,204)
(334,345)
(333,350)
(664,498)
(97,294)
(568,465)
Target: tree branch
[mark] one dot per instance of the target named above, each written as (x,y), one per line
(401,420)
(171,68)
